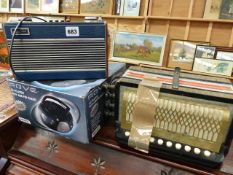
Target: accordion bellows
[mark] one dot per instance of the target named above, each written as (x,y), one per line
(199,123)
(196,116)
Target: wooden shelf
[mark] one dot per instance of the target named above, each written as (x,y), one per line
(83,15)
(190,19)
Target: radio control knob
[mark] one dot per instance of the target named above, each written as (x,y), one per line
(127,133)
(178,146)
(197,151)
(160,141)
(207,153)
(187,148)
(169,144)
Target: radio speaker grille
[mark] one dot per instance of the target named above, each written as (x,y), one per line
(59,54)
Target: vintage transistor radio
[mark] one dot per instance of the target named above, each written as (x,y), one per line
(52,50)
(192,121)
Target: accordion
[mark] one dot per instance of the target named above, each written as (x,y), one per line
(191,123)
(52,50)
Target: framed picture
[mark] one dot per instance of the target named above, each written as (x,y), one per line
(131,7)
(50,6)
(4,61)
(226,9)
(96,6)
(4,6)
(205,52)
(221,55)
(212,9)
(182,54)
(138,48)
(32,6)
(218,67)
(69,6)
(16,6)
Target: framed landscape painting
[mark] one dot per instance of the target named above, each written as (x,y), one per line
(16,6)
(96,6)
(182,54)
(32,6)
(221,55)
(138,48)
(131,7)
(226,9)
(205,52)
(219,67)
(212,9)
(4,61)
(50,6)
(4,6)
(69,6)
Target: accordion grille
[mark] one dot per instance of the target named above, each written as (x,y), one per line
(190,121)
(58,54)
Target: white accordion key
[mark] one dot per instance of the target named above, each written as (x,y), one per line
(178,146)
(187,148)
(207,153)
(127,133)
(160,141)
(197,151)
(169,144)
(152,139)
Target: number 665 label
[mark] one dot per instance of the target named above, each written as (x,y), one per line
(72,31)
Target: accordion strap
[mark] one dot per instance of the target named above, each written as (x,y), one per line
(144,112)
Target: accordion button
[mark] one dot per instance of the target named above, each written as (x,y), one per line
(160,141)
(127,134)
(197,151)
(152,139)
(187,148)
(207,153)
(169,144)
(178,146)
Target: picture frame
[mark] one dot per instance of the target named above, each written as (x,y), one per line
(32,6)
(69,6)
(118,4)
(203,51)
(138,48)
(210,66)
(49,6)
(226,9)
(223,55)
(4,56)
(96,6)
(131,7)
(4,6)
(182,53)
(212,9)
(16,6)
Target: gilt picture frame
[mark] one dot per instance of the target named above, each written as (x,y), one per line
(137,48)
(182,53)
(96,6)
